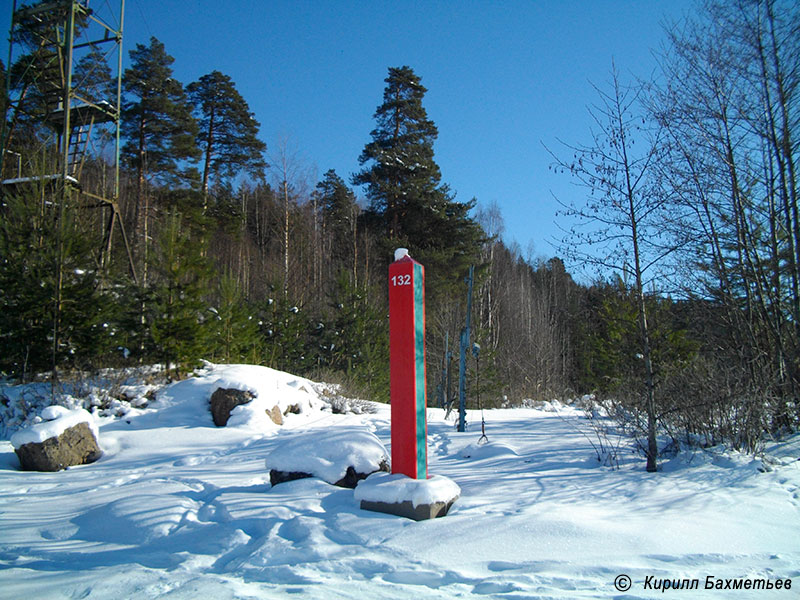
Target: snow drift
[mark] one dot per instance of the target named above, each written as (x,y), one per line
(178,508)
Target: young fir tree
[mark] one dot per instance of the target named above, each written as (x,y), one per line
(284,328)
(178,315)
(358,339)
(41,286)
(228,133)
(403,182)
(234,330)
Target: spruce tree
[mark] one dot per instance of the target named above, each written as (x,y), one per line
(235,332)
(228,132)
(358,340)
(284,329)
(411,205)
(40,284)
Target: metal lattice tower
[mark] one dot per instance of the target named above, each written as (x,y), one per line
(46,42)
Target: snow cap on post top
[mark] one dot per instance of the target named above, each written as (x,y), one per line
(400,253)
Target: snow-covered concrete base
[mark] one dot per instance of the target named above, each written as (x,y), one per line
(417,499)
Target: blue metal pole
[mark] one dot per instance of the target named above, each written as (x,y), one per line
(462,365)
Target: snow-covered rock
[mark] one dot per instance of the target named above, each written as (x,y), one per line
(54,421)
(341,457)
(396,487)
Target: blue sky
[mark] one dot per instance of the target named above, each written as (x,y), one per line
(503,78)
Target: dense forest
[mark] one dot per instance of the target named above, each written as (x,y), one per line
(228,253)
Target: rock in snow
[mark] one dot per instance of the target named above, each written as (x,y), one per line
(64,439)
(224,400)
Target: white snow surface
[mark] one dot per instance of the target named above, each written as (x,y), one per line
(178,508)
(394,488)
(55,420)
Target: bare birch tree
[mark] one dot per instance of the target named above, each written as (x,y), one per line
(617,226)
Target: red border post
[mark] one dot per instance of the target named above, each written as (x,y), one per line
(407,366)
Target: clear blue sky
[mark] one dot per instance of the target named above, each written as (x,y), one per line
(503,78)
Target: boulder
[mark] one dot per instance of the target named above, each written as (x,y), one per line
(276,476)
(350,479)
(276,415)
(76,445)
(293,409)
(224,400)
(407,509)
(342,456)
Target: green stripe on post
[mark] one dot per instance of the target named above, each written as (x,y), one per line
(419,340)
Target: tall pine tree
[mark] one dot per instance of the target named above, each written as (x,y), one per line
(160,130)
(228,133)
(157,119)
(401,177)
(411,205)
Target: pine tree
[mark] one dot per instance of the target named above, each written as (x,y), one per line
(402,179)
(228,133)
(157,119)
(40,285)
(178,315)
(160,131)
(93,77)
(403,182)
(36,75)
(235,332)
(3,105)
(94,82)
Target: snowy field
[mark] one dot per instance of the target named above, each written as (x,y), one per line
(178,508)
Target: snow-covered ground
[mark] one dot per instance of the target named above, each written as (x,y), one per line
(178,508)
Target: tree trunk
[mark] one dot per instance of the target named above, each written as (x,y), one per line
(207,161)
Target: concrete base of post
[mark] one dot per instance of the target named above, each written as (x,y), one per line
(407,509)
(417,499)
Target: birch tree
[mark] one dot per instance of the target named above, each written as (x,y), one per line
(617,225)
